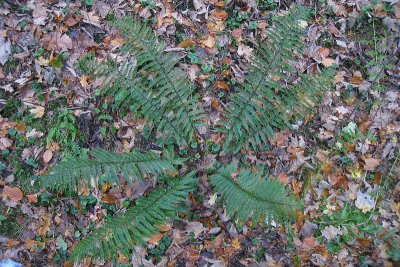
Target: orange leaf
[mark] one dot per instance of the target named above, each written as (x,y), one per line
(32,198)
(215,103)
(164,227)
(108,199)
(222,85)
(155,238)
(13,193)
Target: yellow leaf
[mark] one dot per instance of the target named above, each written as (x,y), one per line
(236,244)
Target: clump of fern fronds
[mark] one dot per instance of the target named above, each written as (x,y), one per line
(150,83)
(250,196)
(262,104)
(121,233)
(103,166)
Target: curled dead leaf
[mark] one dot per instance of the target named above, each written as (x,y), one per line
(47,156)
(12,193)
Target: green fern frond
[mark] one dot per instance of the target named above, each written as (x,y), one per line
(121,233)
(263,104)
(252,196)
(103,167)
(149,82)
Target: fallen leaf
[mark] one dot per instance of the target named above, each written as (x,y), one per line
(32,198)
(244,50)
(12,193)
(365,202)
(328,62)
(186,43)
(236,244)
(209,42)
(220,14)
(5,143)
(5,51)
(357,78)
(45,226)
(237,33)
(156,238)
(37,112)
(371,164)
(215,104)
(71,19)
(222,85)
(330,232)
(47,156)
(195,227)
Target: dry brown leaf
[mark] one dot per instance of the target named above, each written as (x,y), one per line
(156,238)
(209,42)
(357,78)
(37,111)
(84,81)
(236,244)
(32,198)
(283,177)
(237,33)
(371,164)
(45,226)
(222,85)
(5,143)
(71,19)
(107,198)
(397,10)
(324,52)
(47,156)
(220,14)
(186,43)
(12,193)
(328,62)
(215,104)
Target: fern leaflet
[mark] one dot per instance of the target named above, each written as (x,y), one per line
(103,167)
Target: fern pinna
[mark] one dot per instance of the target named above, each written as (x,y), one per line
(103,166)
(262,104)
(149,82)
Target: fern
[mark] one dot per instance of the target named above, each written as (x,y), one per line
(150,84)
(120,233)
(103,167)
(252,196)
(263,104)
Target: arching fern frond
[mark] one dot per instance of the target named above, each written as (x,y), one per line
(151,84)
(103,166)
(121,233)
(262,103)
(252,196)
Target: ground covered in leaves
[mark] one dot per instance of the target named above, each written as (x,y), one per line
(342,162)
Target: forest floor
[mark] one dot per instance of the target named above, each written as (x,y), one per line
(343,163)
